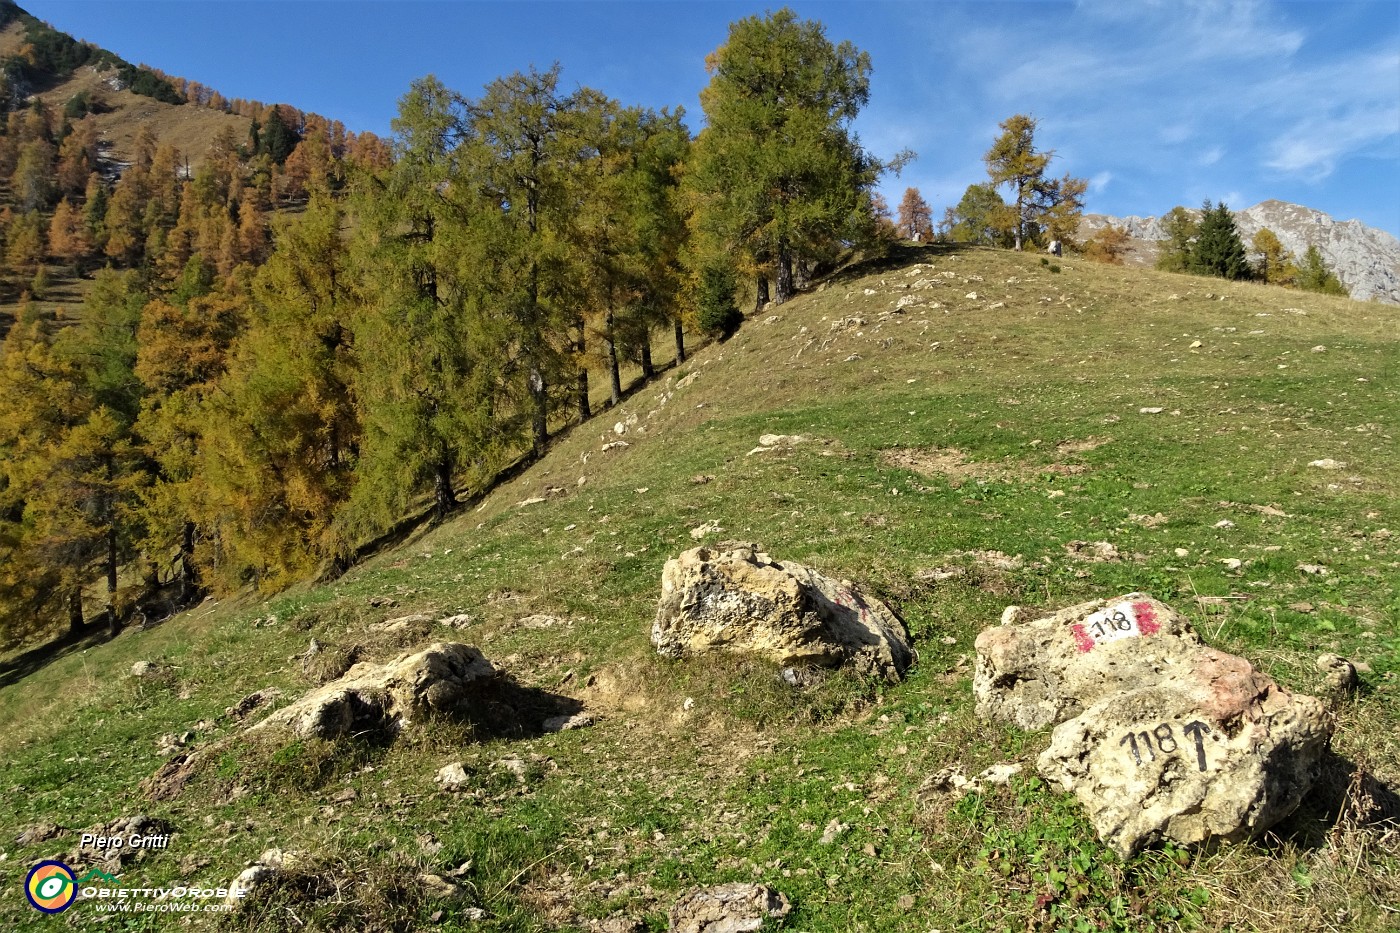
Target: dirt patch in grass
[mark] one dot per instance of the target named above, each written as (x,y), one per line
(957,467)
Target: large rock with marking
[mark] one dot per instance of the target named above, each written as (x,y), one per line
(1216,752)
(737,598)
(1159,736)
(387,696)
(1034,674)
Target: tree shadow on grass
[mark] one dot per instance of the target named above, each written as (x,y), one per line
(21,666)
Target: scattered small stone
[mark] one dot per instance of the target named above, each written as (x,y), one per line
(515,766)
(1012,614)
(1302,607)
(438,886)
(1316,570)
(1224,523)
(383,602)
(1157,410)
(38,832)
(615,445)
(567,723)
(453,776)
(143,669)
(728,908)
(1181,552)
(253,701)
(700,479)
(1093,551)
(1341,673)
(1327,463)
(833,829)
(1232,563)
(620,428)
(709,528)
(1196,345)
(953,780)
(461,620)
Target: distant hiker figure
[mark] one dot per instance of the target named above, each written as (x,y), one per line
(1055,249)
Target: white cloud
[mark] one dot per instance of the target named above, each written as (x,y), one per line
(1210,156)
(1100,181)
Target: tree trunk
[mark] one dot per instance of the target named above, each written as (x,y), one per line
(585,411)
(113,623)
(75,611)
(783,290)
(648,367)
(680,341)
(540,412)
(189,575)
(444,500)
(762,298)
(614,370)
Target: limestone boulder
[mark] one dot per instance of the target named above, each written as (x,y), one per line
(1158,736)
(1037,673)
(737,598)
(1215,752)
(389,695)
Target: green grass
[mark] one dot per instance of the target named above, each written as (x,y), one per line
(1041,399)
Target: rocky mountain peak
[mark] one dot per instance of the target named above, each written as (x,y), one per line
(1367,260)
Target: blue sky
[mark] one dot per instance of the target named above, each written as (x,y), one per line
(1157,103)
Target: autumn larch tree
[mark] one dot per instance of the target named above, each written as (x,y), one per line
(1038,202)
(1182,232)
(777,175)
(519,159)
(1314,276)
(423,413)
(1275,265)
(915,216)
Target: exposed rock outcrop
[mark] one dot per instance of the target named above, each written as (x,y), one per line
(1367,260)
(737,598)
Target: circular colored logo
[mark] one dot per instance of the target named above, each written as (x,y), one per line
(50,887)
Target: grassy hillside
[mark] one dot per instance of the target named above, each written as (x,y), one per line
(955,404)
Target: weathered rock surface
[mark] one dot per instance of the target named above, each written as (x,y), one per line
(1037,673)
(1220,752)
(737,598)
(727,908)
(378,696)
(1159,736)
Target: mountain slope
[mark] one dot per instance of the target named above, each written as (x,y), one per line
(104,81)
(1367,260)
(968,416)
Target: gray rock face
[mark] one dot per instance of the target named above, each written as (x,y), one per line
(1367,260)
(1158,736)
(739,599)
(727,908)
(386,695)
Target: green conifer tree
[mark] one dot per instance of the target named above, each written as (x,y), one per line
(1218,250)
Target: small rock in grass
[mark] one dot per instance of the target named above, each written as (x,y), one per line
(1327,463)
(567,723)
(1341,673)
(728,908)
(453,776)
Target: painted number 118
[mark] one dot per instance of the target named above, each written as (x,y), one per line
(1165,742)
